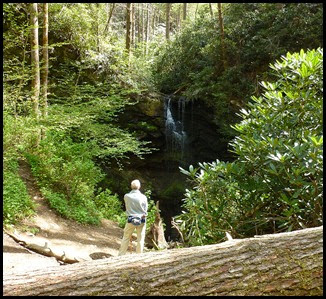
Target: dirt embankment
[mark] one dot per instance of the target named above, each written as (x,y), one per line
(84,242)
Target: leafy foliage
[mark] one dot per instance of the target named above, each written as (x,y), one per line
(92,80)
(16,55)
(17,203)
(89,87)
(110,206)
(93,119)
(212,206)
(276,182)
(67,176)
(254,35)
(18,134)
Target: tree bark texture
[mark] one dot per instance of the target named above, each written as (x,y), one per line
(142,23)
(133,26)
(45,54)
(211,10)
(153,21)
(128,26)
(178,25)
(196,10)
(278,264)
(184,11)
(44,250)
(147,27)
(138,23)
(155,237)
(167,21)
(35,59)
(221,24)
(109,18)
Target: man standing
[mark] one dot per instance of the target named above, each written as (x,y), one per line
(136,210)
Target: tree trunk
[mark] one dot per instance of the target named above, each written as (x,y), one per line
(45,250)
(45,54)
(142,23)
(20,94)
(109,18)
(278,264)
(128,27)
(167,22)
(147,29)
(35,60)
(153,21)
(179,17)
(133,26)
(211,10)
(138,23)
(184,11)
(155,237)
(221,23)
(97,24)
(45,68)
(196,11)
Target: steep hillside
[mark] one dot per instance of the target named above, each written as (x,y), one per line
(84,242)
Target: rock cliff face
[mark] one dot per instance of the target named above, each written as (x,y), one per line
(183,132)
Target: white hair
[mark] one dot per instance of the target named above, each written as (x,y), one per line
(135,184)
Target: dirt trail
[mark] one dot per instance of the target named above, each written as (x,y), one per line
(83,241)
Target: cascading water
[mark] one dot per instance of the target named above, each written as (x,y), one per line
(190,138)
(176,136)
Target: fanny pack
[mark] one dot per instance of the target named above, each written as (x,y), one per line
(136,220)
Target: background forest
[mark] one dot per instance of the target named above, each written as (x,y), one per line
(73,71)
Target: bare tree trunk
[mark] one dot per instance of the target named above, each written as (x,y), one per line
(153,21)
(35,60)
(196,11)
(138,23)
(155,237)
(179,18)
(20,94)
(45,250)
(211,10)
(147,30)
(184,11)
(167,22)
(142,23)
(128,27)
(97,8)
(158,16)
(133,26)
(45,72)
(107,26)
(278,264)
(45,54)
(220,18)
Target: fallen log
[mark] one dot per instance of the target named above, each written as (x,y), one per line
(46,250)
(278,264)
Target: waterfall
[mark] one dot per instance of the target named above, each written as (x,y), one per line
(176,136)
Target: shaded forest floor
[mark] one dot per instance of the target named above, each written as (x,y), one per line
(85,242)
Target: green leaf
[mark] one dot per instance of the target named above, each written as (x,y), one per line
(296,194)
(271,165)
(315,141)
(184,171)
